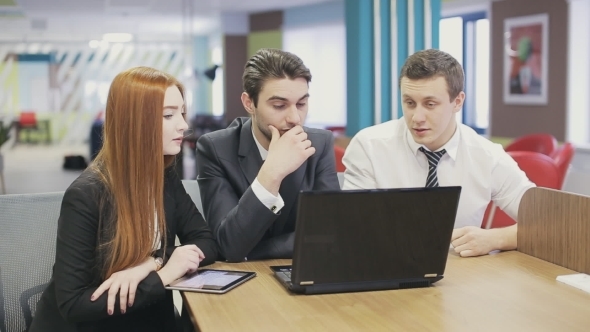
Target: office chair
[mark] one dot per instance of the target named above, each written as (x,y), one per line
(563,157)
(539,168)
(28,225)
(201,125)
(28,122)
(542,143)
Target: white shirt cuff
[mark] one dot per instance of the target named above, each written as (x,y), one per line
(272,202)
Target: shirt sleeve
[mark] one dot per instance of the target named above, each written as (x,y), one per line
(272,202)
(509,183)
(359,172)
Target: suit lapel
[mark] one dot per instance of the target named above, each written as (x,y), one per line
(249,156)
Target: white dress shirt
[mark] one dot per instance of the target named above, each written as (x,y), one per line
(272,202)
(386,156)
(157,241)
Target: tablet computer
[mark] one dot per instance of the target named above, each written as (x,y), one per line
(211,281)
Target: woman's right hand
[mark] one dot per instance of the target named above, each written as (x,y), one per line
(184,259)
(124,284)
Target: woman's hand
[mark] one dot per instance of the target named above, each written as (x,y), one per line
(125,283)
(184,259)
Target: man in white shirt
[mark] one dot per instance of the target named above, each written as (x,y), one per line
(250,174)
(426,147)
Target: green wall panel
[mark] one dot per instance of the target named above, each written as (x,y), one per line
(264,39)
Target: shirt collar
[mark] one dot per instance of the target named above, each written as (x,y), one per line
(262,150)
(452,146)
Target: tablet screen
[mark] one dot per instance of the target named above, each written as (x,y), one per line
(210,280)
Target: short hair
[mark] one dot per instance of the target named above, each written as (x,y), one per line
(270,63)
(434,63)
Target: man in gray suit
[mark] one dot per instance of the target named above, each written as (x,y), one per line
(250,173)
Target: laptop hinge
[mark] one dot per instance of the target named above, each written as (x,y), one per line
(306,283)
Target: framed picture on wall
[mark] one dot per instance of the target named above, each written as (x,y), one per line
(525,59)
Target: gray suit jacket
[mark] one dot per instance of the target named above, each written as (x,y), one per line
(228,161)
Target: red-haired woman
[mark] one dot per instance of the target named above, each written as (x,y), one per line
(121,213)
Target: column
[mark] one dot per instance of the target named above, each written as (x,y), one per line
(235,47)
(380,35)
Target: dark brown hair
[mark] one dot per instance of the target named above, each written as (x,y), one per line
(433,63)
(270,63)
(131,165)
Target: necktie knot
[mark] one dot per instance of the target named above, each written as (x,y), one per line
(433,159)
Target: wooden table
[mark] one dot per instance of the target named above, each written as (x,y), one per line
(508,291)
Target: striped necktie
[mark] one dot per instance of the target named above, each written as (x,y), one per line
(433,159)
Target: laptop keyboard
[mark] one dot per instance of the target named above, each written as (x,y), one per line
(287,275)
(284,274)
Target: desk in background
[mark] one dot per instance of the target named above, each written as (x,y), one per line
(509,291)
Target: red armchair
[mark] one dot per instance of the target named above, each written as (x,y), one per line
(339,153)
(563,157)
(540,169)
(542,143)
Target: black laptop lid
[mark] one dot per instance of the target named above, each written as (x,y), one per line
(368,235)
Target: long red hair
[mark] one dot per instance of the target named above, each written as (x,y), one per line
(131,165)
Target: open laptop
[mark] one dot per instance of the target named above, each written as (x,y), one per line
(361,240)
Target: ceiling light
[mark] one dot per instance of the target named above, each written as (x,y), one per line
(34,48)
(117,37)
(46,49)
(20,48)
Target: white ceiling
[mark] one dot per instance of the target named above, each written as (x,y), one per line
(148,20)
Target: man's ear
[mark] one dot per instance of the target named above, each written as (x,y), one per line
(459,100)
(248,103)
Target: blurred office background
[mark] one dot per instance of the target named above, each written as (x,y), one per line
(58,57)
